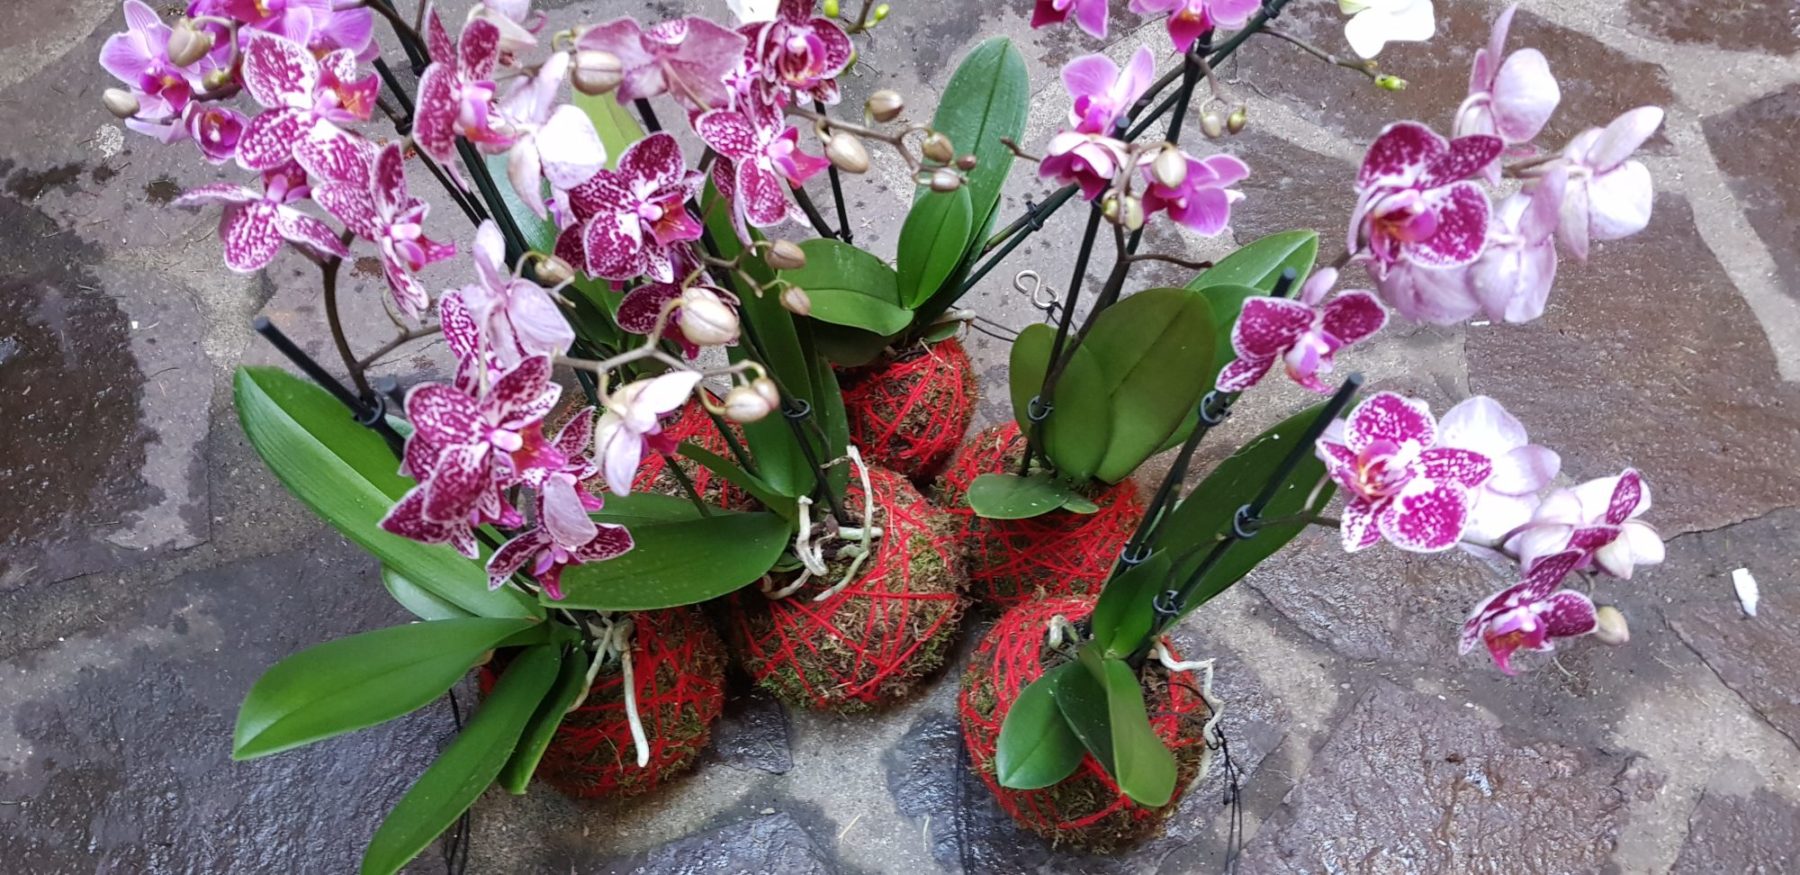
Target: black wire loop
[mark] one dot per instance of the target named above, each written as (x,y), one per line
(797,408)
(1038,411)
(1167,605)
(1213,409)
(1245,524)
(1134,554)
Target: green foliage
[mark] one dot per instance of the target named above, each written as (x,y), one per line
(737,476)
(850,287)
(937,232)
(680,557)
(615,124)
(1011,497)
(1036,747)
(1124,616)
(1260,264)
(419,600)
(1079,426)
(1155,352)
(1103,703)
(571,680)
(986,100)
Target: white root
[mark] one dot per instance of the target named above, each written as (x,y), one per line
(1215,707)
(612,640)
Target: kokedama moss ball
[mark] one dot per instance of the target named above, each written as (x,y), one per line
(871,643)
(1086,809)
(694,425)
(909,414)
(1057,554)
(678,673)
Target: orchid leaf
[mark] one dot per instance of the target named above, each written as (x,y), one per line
(1080,694)
(850,287)
(571,680)
(1125,614)
(1011,497)
(679,557)
(1079,427)
(1141,763)
(984,103)
(1036,747)
(346,474)
(933,239)
(1155,352)
(540,234)
(828,410)
(742,479)
(467,766)
(419,600)
(1260,264)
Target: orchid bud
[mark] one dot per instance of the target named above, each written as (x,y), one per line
(186,44)
(1212,126)
(1610,626)
(744,404)
(597,72)
(1110,208)
(796,301)
(1238,118)
(217,80)
(553,271)
(785,255)
(768,390)
(1388,82)
(944,179)
(119,102)
(938,148)
(705,319)
(831,8)
(846,153)
(884,105)
(1133,212)
(881,12)
(967,162)
(1170,168)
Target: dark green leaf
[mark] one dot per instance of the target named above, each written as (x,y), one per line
(615,124)
(351,683)
(1080,424)
(942,331)
(740,478)
(1227,302)
(1155,351)
(932,243)
(346,474)
(1036,747)
(1080,695)
(986,99)
(571,679)
(828,412)
(1123,617)
(1011,497)
(465,768)
(419,600)
(1260,264)
(850,287)
(848,347)
(681,558)
(1141,763)
(1078,503)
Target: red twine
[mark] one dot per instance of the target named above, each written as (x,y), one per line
(1085,808)
(909,415)
(692,425)
(678,670)
(872,642)
(1057,554)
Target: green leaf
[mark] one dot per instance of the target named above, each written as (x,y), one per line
(1123,617)
(571,679)
(612,121)
(850,287)
(465,768)
(680,557)
(1036,747)
(1080,504)
(986,99)
(829,412)
(347,475)
(932,242)
(1206,513)
(419,600)
(1079,427)
(1155,351)
(1141,763)
(742,479)
(352,683)
(1260,264)
(1080,695)
(1011,497)
(942,331)
(848,347)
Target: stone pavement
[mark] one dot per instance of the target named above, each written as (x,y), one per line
(152,568)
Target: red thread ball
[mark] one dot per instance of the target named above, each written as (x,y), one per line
(693,424)
(909,415)
(678,672)
(1057,554)
(1086,809)
(871,643)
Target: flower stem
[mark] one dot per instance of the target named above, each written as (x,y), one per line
(328,271)
(813,216)
(1047,388)
(1367,68)
(837,191)
(687,485)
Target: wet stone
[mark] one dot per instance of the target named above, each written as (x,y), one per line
(773,843)
(1290,187)
(753,734)
(1740,25)
(1647,356)
(1754,146)
(1407,783)
(1757,833)
(929,776)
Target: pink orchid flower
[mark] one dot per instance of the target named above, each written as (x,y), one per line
(297,93)
(517,23)
(1089,15)
(1510,99)
(366,190)
(688,58)
(1203,200)
(1101,92)
(139,58)
(1398,482)
(1512,279)
(317,24)
(1439,296)
(565,534)
(1521,468)
(1088,160)
(516,318)
(632,421)
(456,95)
(1189,20)
(474,355)
(1301,334)
(799,53)
(465,449)
(255,224)
(1414,202)
(1531,613)
(765,158)
(216,129)
(555,143)
(1608,196)
(1599,519)
(642,307)
(630,220)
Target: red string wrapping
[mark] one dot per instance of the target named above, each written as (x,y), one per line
(1057,554)
(1086,809)
(678,669)
(910,414)
(871,643)
(693,425)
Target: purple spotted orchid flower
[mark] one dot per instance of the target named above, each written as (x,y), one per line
(564,533)
(1598,519)
(515,318)
(689,58)
(1608,196)
(216,129)
(464,450)
(1089,15)
(517,22)
(1399,482)
(798,53)
(555,143)
(1091,161)
(255,224)
(632,422)
(1415,203)
(1530,614)
(365,188)
(1189,20)
(456,93)
(297,93)
(139,58)
(320,25)
(1203,200)
(630,220)
(765,159)
(1303,334)
(1100,92)
(1511,98)
(1521,468)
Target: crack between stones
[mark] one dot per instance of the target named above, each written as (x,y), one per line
(1683,638)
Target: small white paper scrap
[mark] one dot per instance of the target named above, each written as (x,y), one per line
(1746,590)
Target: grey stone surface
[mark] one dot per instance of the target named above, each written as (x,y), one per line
(1755,834)
(772,843)
(753,734)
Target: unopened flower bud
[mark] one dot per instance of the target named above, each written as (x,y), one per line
(1170,168)
(846,153)
(1212,126)
(1610,626)
(785,255)
(944,179)
(1133,212)
(745,404)
(553,271)
(768,390)
(706,320)
(967,162)
(1238,118)
(1389,82)
(881,12)
(119,102)
(217,80)
(1110,208)
(597,72)
(938,148)
(884,105)
(188,44)
(796,301)
(831,8)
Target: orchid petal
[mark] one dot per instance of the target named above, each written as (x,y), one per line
(1426,517)
(1386,416)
